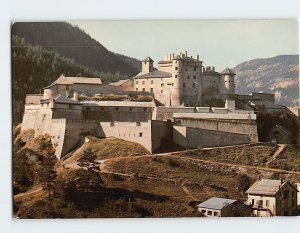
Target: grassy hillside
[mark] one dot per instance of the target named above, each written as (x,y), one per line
(107,148)
(135,184)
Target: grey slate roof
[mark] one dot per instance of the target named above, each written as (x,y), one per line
(280,127)
(64,100)
(119,104)
(72,80)
(216,203)
(267,104)
(227,71)
(148,59)
(119,83)
(154,74)
(265,187)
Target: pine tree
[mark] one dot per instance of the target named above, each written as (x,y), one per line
(89,175)
(48,174)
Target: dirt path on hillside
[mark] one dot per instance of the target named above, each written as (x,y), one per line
(188,192)
(28,193)
(276,154)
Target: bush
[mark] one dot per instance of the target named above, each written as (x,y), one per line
(174,163)
(243,182)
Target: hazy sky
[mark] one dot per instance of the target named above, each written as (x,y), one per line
(219,43)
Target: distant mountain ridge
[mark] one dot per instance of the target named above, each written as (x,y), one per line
(278,75)
(72,42)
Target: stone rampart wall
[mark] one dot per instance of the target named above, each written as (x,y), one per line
(195,137)
(139,132)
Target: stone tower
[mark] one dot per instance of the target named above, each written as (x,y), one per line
(147,65)
(176,91)
(228,86)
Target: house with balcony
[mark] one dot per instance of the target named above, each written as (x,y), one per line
(272,198)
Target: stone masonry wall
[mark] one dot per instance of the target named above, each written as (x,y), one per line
(124,114)
(139,132)
(58,129)
(247,127)
(67,133)
(37,118)
(75,129)
(194,137)
(159,131)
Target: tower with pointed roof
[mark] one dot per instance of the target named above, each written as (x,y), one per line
(147,65)
(227,84)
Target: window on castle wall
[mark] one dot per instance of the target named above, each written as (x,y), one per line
(161,84)
(141,134)
(176,68)
(188,77)
(143,82)
(194,68)
(152,81)
(176,76)
(151,90)
(161,91)
(130,109)
(143,89)
(136,89)
(183,84)
(194,77)
(117,109)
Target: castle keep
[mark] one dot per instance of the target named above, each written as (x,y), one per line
(71,108)
(183,81)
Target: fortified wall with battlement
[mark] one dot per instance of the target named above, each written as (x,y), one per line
(67,119)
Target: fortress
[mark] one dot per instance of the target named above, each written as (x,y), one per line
(72,107)
(183,81)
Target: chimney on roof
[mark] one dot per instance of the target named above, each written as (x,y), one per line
(186,53)
(75,96)
(208,68)
(197,57)
(213,68)
(166,57)
(173,55)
